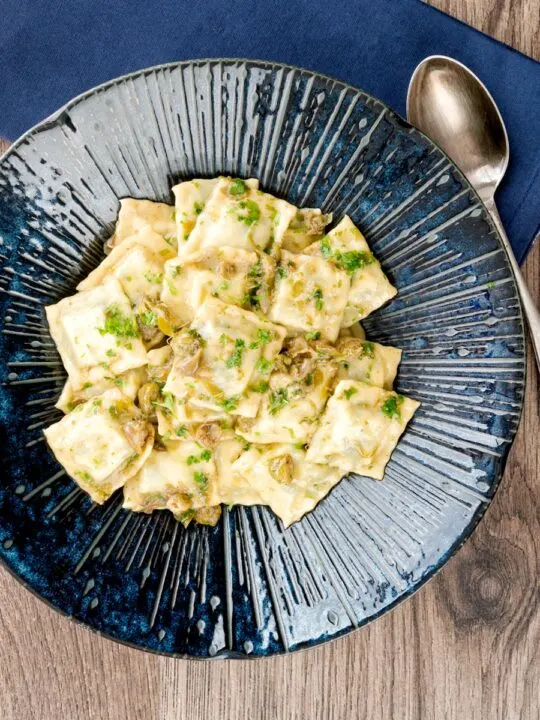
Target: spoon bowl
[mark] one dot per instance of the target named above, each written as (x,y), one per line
(454,108)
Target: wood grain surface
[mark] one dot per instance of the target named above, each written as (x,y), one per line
(465,647)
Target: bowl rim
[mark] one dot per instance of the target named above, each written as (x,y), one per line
(56,118)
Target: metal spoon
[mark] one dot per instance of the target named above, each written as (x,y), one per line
(453,107)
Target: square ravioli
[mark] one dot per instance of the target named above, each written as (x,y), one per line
(310,296)
(96,334)
(220,360)
(367,361)
(346,247)
(137,264)
(180,477)
(285,480)
(129,383)
(237,215)
(233,275)
(293,398)
(102,443)
(360,428)
(136,215)
(190,200)
(305,228)
(233,489)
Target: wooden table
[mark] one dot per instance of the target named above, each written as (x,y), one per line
(464,647)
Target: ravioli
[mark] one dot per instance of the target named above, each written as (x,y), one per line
(285,480)
(239,216)
(233,488)
(304,229)
(360,428)
(310,296)
(190,199)
(294,399)
(137,263)
(180,477)
(129,383)
(346,247)
(215,356)
(233,275)
(367,361)
(96,334)
(102,443)
(220,358)
(136,215)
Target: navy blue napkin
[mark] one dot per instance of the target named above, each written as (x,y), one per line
(51,50)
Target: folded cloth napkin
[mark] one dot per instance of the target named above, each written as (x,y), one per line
(51,50)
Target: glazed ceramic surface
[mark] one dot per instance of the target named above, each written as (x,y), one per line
(247,587)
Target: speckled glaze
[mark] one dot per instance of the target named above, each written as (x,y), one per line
(247,587)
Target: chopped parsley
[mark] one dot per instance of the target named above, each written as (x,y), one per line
(197,208)
(229,404)
(281,272)
(255,271)
(113,411)
(326,250)
(251,212)
(313,335)
(353,260)
(308,380)
(84,476)
(349,392)
(263,338)
(490,285)
(168,401)
(319,299)
(278,400)
(391,405)
(201,480)
(154,278)
(237,187)
(148,317)
(263,365)
(368,350)
(118,323)
(181,431)
(87,385)
(235,360)
(262,387)
(110,353)
(203,457)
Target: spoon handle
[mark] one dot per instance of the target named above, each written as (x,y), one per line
(529,307)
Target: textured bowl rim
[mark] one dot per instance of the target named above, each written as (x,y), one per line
(55,118)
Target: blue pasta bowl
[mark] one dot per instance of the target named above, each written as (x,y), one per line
(249,587)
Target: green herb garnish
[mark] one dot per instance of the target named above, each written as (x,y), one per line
(313,335)
(235,360)
(154,278)
(118,323)
(349,392)
(251,212)
(391,405)
(326,250)
(368,350)
(229,404)
(262,387)
(201,480)
(278,400)
(354,260)
(281,272)
(181,431)
(237,187)
(318,297)
(263,338)
(148,317)
(263,365)
(197,208)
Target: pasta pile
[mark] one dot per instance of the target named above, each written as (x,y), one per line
(215,356)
